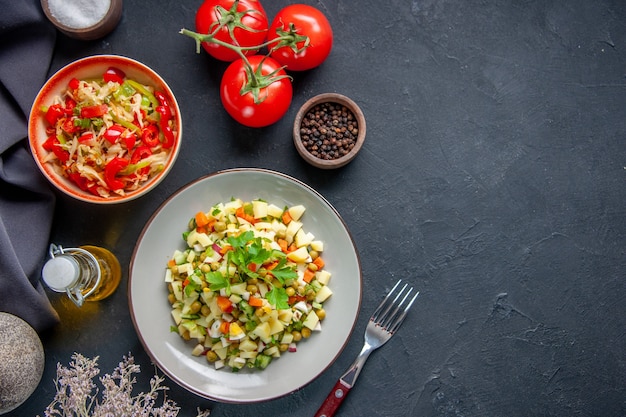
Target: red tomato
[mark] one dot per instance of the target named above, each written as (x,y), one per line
(273,99)
(307,21)
(247,13)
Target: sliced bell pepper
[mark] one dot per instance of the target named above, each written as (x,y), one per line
(85,137)
(114,74)
(79,180)
(113,133)
(129,140)
(70,104)
(69,126)
(141,152)
(162,99)
(98,110)
(168,134)
(111,169)
(150,136)
(52,144)
(54,113)
(48,145)
(74,83)
(83,183)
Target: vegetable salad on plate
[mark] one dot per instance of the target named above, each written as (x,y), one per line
(109,135)
(250,285)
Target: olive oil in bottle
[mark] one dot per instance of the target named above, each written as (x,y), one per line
(87,273)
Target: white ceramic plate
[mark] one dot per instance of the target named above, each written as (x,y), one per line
(150,309)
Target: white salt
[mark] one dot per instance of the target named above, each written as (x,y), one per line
(79,14)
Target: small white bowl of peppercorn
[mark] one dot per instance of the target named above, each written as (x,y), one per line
(329,130)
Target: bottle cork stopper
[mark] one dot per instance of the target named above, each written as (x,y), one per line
(60,272)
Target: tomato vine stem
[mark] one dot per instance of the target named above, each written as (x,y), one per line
(231,19)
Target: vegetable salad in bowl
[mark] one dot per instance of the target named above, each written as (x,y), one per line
(105,129)
(250,285)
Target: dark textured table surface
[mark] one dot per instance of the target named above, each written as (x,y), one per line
(493,177)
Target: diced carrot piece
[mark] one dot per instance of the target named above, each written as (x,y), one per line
(295,298)
(255,302)
(201,229)
(286,217)
(224,304)
(308,275)
(171,263)
(201,219)
(224,327)
(225,249)
(319,262)
(283,245)
(271,266)
(241,213)
(252,267)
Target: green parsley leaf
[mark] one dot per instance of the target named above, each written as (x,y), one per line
(257,253)
(191,287)
(241,240)
(195,283)
(217,281)
(282,272)
(247,250)
(278,298)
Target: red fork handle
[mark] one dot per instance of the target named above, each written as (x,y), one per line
(333,400)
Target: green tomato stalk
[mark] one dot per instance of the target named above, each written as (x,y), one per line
(231,19)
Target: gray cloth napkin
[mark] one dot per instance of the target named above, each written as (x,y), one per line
(26,199)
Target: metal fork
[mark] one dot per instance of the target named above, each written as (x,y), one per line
(383,324)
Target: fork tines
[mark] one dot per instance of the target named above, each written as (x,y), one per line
(390,314)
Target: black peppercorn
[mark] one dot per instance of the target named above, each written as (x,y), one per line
(329,131)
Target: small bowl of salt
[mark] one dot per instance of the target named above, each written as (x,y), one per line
(83,19)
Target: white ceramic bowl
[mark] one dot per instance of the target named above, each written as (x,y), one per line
(94,67)
(150,309)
